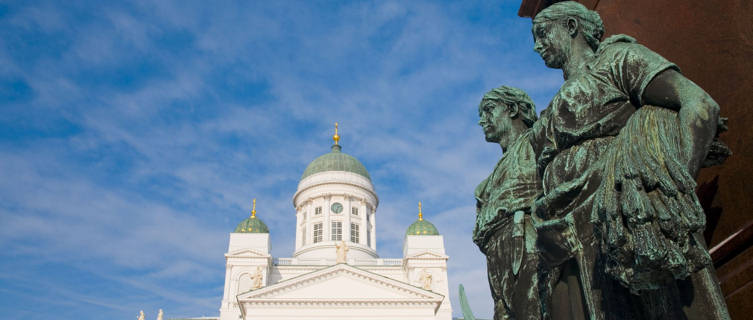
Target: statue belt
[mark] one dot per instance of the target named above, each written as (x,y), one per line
(518,235)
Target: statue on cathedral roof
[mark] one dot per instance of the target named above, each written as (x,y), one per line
(342,252)
(257,277)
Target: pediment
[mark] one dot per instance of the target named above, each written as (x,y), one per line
(427,255)
(247,253)
(343,283)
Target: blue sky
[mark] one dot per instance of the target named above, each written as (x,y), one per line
(134,135)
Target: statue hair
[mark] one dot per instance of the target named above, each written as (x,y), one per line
(590,22)
(509,95)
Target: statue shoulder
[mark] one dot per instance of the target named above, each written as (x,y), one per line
(621,49)
(618,45)
(522,150)
(480,189)
(616,39)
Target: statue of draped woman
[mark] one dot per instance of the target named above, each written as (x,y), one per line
(618,149)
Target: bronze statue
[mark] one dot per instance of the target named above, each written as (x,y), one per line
(503,229)
(617,149)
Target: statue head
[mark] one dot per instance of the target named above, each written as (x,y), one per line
(555,27)
(499,111)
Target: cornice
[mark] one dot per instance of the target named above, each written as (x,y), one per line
(427,255)
(247,253)
(304,280)
(328,303)
(332,245)
(336,177)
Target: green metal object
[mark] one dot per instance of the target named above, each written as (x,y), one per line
(423,228)
(504,231)
(336,160)
(619,147)
(251,225)
(464,306)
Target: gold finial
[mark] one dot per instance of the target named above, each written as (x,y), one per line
(336,137)
(420,214)
(253,210)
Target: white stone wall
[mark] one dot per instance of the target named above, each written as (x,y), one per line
(426,254)
(248,254)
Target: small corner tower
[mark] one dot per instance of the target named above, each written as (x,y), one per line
(248,262)
(425,261)
(335,202)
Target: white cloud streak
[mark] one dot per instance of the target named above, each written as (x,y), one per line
(182,113)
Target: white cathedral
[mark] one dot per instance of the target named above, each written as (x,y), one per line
(335,271)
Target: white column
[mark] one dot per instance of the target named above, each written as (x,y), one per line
(347,215)
(226,294)
(309,224)
(327,227)
(373,230)
(362,212)
(298,226)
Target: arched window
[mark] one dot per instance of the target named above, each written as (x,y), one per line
(244,283)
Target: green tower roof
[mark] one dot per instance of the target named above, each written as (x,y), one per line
(336,160)
(252,224)
(421,226)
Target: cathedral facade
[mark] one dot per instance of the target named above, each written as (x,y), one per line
(335,271)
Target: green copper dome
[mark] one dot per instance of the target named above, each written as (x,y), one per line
(251,225)
(423,228)
(336,160)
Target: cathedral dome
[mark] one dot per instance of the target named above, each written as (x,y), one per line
(336,160)
(421,227)
(252,224)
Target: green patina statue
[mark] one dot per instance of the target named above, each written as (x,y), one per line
(504,231)
(618,225)
(618,148)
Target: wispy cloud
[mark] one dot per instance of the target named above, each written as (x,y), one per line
(133,136)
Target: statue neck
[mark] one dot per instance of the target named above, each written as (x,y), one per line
(517,129)
(580,53)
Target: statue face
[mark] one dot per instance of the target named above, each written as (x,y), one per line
(494,119)
(551,42)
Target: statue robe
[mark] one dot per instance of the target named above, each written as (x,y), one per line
(504,232)
(614,181)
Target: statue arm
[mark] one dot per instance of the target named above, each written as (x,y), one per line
(698,112)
